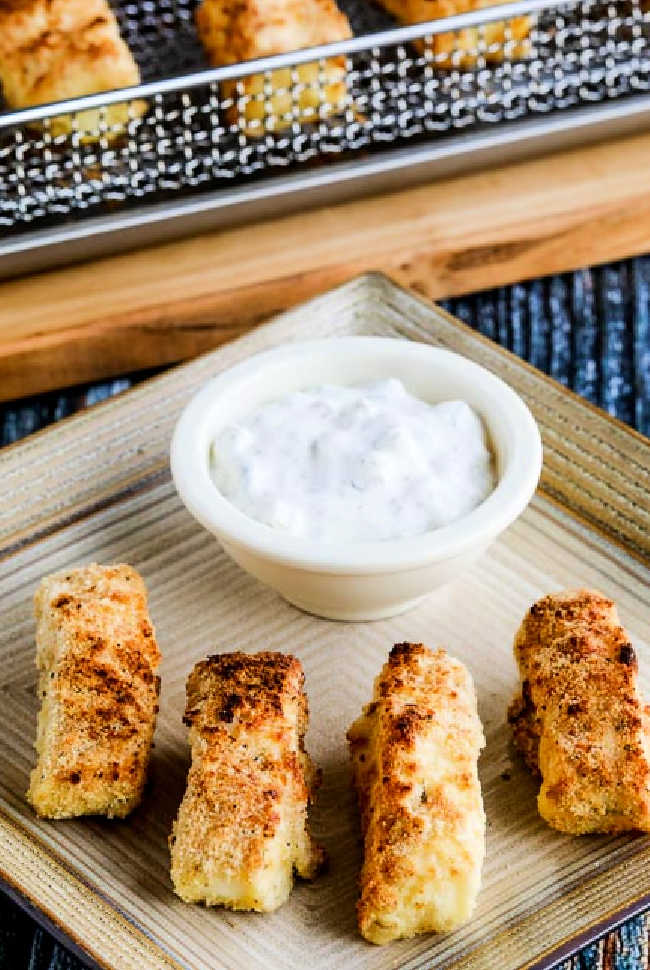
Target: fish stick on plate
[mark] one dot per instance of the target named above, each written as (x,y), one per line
(51,50)
(414,754)
(494,41)
(579,720)
(232,32)
(241,830)
(97,655)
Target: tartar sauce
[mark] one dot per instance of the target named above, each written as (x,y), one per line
(353,463)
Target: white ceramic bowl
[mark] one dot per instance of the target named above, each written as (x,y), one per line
(356,580)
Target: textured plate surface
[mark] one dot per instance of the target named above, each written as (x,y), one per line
(97,487)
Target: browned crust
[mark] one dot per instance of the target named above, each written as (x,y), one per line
(420,697)
(579,720)
(240,30)
(525,728)
(98,656)
(493,42)
(250,780)
(248,687)
(51,50)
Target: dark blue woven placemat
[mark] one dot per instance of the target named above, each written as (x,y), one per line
(589,330)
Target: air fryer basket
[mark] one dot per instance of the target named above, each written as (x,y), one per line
(194,146)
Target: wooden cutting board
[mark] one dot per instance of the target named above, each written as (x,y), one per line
(168,303)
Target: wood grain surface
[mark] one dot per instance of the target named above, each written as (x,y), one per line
(98,487)
(170,302)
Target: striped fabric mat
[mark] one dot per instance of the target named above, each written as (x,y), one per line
(589,330)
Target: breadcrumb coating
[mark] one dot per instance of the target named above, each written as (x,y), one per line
(241,30)
(414,755)
(494,41)
(579,720)
(241,829)
(97,655)
(51,50)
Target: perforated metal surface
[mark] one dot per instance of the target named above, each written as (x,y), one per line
(192,137)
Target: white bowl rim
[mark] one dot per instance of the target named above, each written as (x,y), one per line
(505,503)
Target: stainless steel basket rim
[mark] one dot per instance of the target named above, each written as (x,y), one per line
(584,124)
(362,42)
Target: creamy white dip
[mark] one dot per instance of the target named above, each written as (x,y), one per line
(352,463)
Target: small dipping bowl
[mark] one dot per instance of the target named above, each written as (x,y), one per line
(356,580)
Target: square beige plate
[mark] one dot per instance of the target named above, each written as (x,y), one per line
(97,487)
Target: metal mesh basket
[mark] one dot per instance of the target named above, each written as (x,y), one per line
(191,129)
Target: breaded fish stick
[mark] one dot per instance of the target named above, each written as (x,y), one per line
(240,31)
(414,752)
(242,829)
(98,656)
(494,41)
(579,721)
(51,50)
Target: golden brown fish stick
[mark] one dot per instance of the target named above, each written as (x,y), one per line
(240,31)
(414,755)
(494,41)
(51,50)
(579,720)
(97,656)
(242,829)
